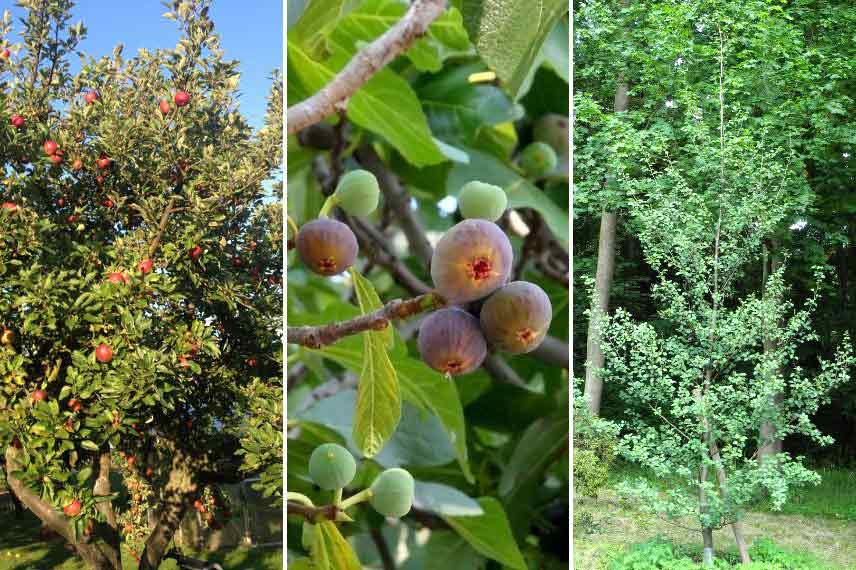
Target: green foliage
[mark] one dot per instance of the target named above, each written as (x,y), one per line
(595,449)
(662,555)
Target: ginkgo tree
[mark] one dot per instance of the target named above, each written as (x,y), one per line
(428,284)
(140,280)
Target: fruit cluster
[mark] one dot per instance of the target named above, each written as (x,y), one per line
(471,262)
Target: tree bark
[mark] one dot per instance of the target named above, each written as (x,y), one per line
(770,444)
(177,494)
(603,283)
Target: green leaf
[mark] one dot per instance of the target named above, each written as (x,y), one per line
(385,105)
(444,500)
(318,20)
(521,193)
(539,446)
(490,534)
(90,445)
(446,35)
(378,394)
(331,551)
(446,549)
(508,34)
(378,397)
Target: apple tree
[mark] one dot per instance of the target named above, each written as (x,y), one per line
(427,289)
(140,280)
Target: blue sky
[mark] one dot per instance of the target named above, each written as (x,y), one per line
(250,31)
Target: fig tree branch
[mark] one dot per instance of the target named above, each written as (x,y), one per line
(312,514)
(364,65)
(322,335)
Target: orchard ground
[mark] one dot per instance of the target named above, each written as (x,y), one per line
(31,551)
(820,520)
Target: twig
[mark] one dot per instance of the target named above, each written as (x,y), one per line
(382,549)
(364,65)
(318,336)
(312,514)
(376,246)
(500,370)
(164,220)
(553,351)
(398,200)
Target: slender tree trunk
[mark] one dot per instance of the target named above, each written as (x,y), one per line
(706,532)
(770,443)
(603,284)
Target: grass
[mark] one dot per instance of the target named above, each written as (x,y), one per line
(21,548)
(820,521)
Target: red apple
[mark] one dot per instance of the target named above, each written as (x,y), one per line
(131,460)
(182,98)
(61,202)
(17,121)
(149,472)
(16,443)
(103,353)
(71,219)
(107,203)
(57,157)
(39,395)
(5,54)
(50,147)
(199,506)
(91,97)
(164,106)
(103,162)
(72,509)
(251,362)
(183,361)
(99,180)
(145,266)
(77,164)
(195,253)
(10,206)
(117,277)
(74,405)
(237,261)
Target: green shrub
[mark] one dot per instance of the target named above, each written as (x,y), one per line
(595,444)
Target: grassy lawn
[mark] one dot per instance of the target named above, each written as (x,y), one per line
(22,549)
(821,521)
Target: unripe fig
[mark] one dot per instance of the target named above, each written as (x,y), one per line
(332,466)
(554,130)
(450,341)
(327,247)
(516,318)
(392,493)
(471,261)
(538,159)
(358,193)
(481,200)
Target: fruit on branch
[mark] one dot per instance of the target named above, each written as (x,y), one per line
(251,362)
(17,121)
(482,200)
(50,147)
(450,341)
(164,106)
(181,98)
(392,493)
(77,164)
(332,466)
(131,461)
(471,261)
(237,261)
(538,159)
(199,506)
(320,136)
(7,337)
(103,353)
(57,157)
(357,193)
(118,277)
(74,405)
(9,206)
(5,54)
(107,203)
(195,253)
(71,219)
(90,97)
(99,180)
(39,396)
(327,247)
(72,509)
(145,266)
(103,162)
(554,130)
(516,318)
